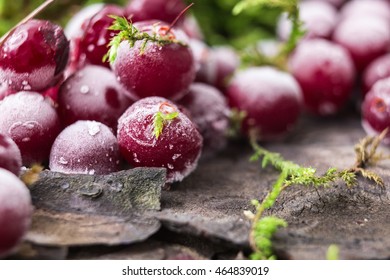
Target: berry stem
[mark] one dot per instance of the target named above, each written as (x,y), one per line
(178,17)
(31,15)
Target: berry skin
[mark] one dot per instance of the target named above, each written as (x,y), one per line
(162,10)
(270,98)
(366,38)
(376,109)
(208,109)
(155,70)
(375,71)
(95,151)
(15,211)
(10,157)
(372,8)
(92,93)
(93,43)
(32,122)
(33,56)
(325,73)
(177,148)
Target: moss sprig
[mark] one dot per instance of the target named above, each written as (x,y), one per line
(292,174)
(128,32)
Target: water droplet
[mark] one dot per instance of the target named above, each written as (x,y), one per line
(170,166)
(65,186)
(93,128)
(90,48)
(26,139)
(170,146)
(63,161)
(176,156)
(91,172)
(84,89)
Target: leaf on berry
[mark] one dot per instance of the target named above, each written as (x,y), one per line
(160,120)
(128,32)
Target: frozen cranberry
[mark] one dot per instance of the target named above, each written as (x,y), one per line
(270,98)
(153,69)
(374,8)
(319,19)
(209,111)
(325,73)
(15,211)
(96,35)
(32,122)
(376,109)
(366,38)
(164,10)
(33,56)
(10,157)
(220,65)
(95,151)
(92,93)
(177,146)
(376,70)
(73,28)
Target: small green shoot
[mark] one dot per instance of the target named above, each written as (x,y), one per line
(292,174)
(162,118)
(333,253)
(253,56)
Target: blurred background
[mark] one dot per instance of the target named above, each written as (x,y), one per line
(215,18)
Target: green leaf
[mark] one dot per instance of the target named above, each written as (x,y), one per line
(160,120)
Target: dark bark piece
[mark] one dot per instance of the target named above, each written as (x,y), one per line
(72,229)
(116,194)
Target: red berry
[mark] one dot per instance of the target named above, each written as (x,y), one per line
(163,10)
(358,8)
(376,109)
(10,157)
(325,73)
(15,211)
(32,122)
(92,93)
(376,70)
(95,38)
(155,70)
(177,147)
(270,98)
(95,151)
(366,38)
(208,109)
(33,56)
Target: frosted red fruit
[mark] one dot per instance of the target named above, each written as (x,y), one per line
(15,211)
(10,157)
(191,28)
(32,122)
(73,28)
(163,10)
(155,70)
(335,3)
(208,109)
(96,35)
(372,8)
(270,98)
(92,93)
(177,147)
(366,38)
(85,147)
(319,20)
(220,65)
(375,71)
(376,109)
(325,73)
(33,56)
